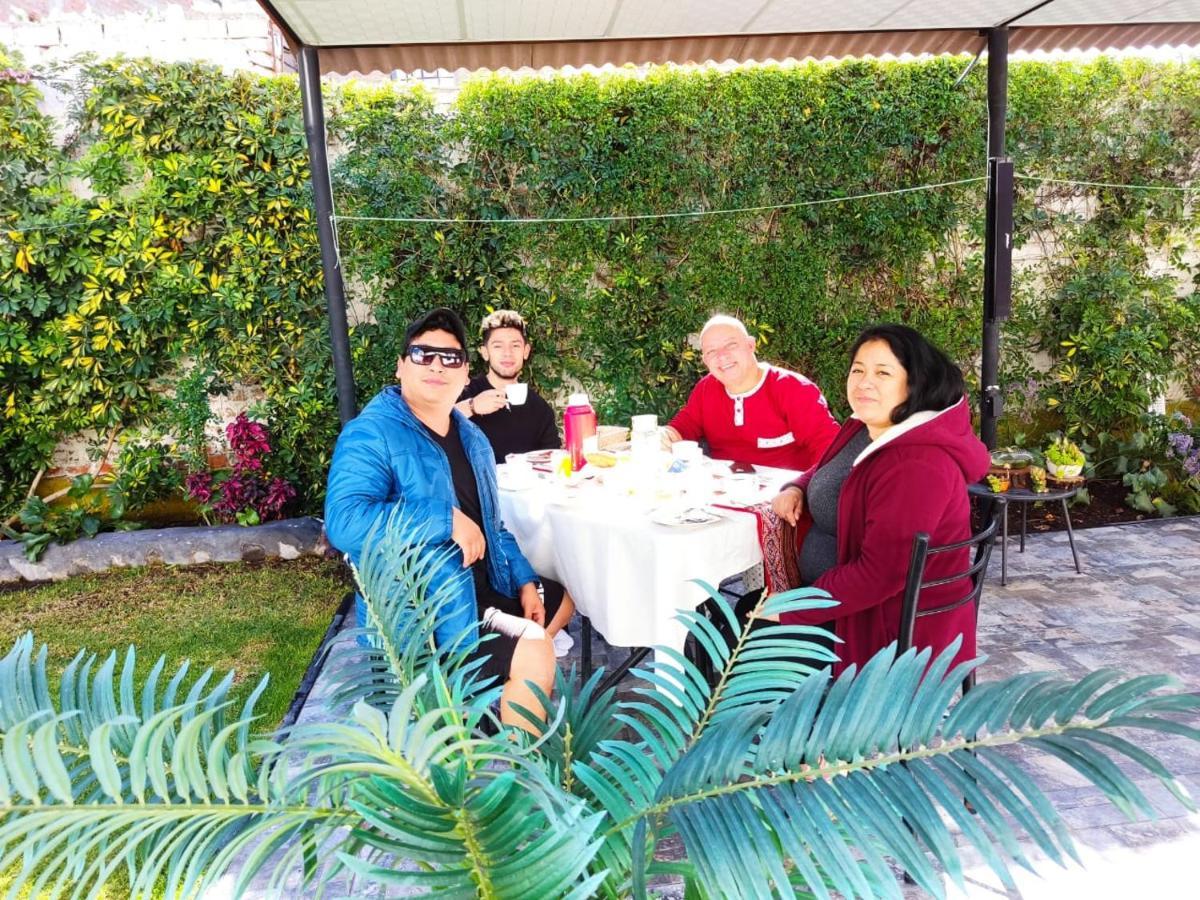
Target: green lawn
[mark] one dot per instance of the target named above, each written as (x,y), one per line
(252,618)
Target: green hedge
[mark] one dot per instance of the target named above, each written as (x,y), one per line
(193,240)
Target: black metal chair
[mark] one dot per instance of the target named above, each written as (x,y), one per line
(915,583)
(983,542)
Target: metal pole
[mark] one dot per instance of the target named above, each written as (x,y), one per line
(997,241)
(335,295)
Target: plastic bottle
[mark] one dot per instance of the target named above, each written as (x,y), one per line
(579,423)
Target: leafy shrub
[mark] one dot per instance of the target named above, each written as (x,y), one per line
(144,471)
(194,244)
(1064,452)
(195,240)
(1159,463)
(42,524)
(247,493)
(1122,335)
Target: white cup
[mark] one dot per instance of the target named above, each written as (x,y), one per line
(516,393)
(644,440)
(686,450)
(644,423)
(518,467)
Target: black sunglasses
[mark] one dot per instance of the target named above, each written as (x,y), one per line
(449,357)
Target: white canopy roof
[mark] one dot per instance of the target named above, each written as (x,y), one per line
(382,35)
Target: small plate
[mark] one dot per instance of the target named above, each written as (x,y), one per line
(514,485)
(506,481)
(674,518)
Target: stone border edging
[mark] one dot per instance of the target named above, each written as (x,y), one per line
(317,664)
(183,546)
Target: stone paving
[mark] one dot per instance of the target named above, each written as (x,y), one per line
(1135,608)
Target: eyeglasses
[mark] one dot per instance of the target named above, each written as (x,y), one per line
(449,357)
(727,348)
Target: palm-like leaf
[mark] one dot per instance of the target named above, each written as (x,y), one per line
(396,576)
(584,723)
(162,776)
(478,817)
(778,780)
(672,715)
(844,777)
(173,813)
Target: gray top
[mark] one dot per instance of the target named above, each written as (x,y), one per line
(819,553)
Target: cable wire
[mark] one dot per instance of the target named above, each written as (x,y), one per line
(668,215)
(1107,184)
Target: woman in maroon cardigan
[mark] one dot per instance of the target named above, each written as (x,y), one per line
(899,465)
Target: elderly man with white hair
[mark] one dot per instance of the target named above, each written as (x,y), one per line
(749,411)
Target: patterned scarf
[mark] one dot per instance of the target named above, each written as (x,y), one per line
(781,568)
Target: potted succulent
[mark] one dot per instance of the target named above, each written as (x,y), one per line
(1037,480)
(1011,464)
(1064,459)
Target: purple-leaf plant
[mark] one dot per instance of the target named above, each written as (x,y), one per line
(246,493)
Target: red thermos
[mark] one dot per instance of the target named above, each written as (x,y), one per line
(579,423)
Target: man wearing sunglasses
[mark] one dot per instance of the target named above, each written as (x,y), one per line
(411,450)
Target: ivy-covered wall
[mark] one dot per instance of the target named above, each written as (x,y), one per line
(173,233)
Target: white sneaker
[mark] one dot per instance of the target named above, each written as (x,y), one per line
(563,643)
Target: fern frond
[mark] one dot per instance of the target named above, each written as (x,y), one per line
(472,811)
(857,778)
(403,610)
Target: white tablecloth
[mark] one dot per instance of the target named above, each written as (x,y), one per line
(628,575)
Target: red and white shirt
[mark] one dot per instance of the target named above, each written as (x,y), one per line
(783,421)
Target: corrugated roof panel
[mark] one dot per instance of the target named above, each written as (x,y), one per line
(382,35)
(536,20)
(1114,12)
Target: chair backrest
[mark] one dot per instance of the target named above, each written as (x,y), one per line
(921,551)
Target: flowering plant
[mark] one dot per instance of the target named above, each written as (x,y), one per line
(246,493)
(997,484)
(20,76)
(1037,480)
(1159,463)
(1183,447)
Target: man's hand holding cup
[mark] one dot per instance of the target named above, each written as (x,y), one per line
(488,402)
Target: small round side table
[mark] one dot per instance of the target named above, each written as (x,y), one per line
(1024,497)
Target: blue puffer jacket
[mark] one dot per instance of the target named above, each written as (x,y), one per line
(385,458)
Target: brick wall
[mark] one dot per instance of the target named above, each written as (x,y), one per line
(234,34)
(74,455)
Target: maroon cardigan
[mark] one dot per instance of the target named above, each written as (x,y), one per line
(913,478)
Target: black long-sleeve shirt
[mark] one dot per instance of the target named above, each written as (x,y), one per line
(515,429)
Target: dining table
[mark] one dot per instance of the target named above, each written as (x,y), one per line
(633,550)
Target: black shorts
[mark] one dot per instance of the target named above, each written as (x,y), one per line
(496,649)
